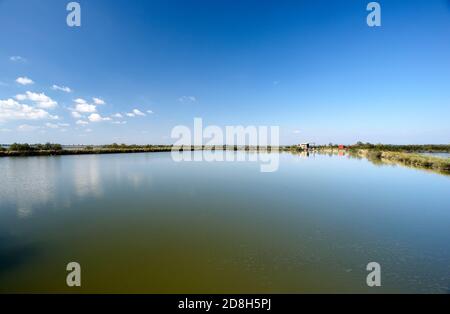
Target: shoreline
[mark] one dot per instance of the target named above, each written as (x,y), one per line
(412,159)
(132,150)
(79,152)
(398,155)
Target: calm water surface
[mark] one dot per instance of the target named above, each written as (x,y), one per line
(143,223)
(442,155)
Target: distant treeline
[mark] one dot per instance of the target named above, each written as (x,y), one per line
(31,148)
(125,146)
(49,148)
(388,147)
(57,149)
(402,148)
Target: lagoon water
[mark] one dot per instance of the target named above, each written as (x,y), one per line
(441,155)
(144,223)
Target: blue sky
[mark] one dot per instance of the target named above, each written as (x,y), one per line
(314,68)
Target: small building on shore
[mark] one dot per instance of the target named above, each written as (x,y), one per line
(304,146)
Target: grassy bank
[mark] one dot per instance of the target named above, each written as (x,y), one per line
(415,160)
(403,148)
(407,155)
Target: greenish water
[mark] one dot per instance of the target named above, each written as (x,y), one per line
(143,223)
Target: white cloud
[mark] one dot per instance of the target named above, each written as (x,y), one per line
(83,107)
(27,128)
(24,80)
(80,101)
(5,130)
(81,122)
(17,59)
(41,100)
(51,125)
(296,132)
(187,99)
(75,115)
(117,115)
(138,112)
(134,113)
(62,88)
(56,125)
(149,112)
(95,117)
(119,122)
(10,109)
(98,101)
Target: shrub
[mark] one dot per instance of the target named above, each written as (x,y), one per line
(374,154)
(49,147)
(21,147)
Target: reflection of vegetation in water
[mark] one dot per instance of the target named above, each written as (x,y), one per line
(376,153)
(300,153)
(375,158)
(407,155)
(13,255)
(430,163)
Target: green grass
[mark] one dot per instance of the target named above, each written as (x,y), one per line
(403,148)
(416,160)
(438,164)
(407,155)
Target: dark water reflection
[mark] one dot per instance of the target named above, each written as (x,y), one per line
(142,223)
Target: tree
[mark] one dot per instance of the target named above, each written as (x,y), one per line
(21,147)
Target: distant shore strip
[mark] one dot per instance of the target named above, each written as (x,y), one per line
(408,155)
(57,149)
